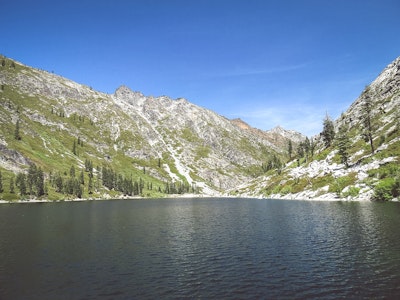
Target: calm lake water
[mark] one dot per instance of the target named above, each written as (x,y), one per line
(200,248)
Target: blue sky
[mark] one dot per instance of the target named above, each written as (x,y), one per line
(267,62)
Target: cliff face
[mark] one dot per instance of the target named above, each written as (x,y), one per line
(173,140)
(372,166)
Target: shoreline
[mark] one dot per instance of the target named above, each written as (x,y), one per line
(329,198)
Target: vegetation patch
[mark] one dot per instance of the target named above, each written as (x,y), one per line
(352,191)
(189,135)
(387,189)
(202,152)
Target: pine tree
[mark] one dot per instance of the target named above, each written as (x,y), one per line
(21,183)
(72,172)
(328,131)
(366,118)
(312,148)
(74,148)
(77,188)
(343,145)
(1,183)
(290,149)
(17,135)
(300,152)
(58,183)
(90,185)
(307,147)
(82,177)
(39,182)
(30,180)
(12,185)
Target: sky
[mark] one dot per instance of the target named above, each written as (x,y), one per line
(270,63)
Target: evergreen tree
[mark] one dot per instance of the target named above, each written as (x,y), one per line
(90,185)
(72,172)
(1,183)
(300,150)
(343,145)
(17,135)
(74,148)
(312,148)
(58,183)
(136,188)
(77,188)
(69,186)
(30,179)
(12,191)
(366,118)
(35,181)
(290,149)
(82,177)
(328,131)
(307,147)
(21,183)
(39,182)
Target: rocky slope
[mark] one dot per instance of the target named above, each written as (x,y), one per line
(373,171)
(155,139)
(165,145)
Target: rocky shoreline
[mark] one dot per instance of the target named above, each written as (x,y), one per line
(300,197)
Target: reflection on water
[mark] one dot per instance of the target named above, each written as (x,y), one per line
(199,248)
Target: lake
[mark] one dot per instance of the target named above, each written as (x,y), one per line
(200,248)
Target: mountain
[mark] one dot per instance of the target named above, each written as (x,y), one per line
(278,136)
(83,143)
(361,163)
(63,140)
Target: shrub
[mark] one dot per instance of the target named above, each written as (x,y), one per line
(386,189)
(352,192)
(286,190)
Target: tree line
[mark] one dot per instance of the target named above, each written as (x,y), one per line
(76,182)
(31,183)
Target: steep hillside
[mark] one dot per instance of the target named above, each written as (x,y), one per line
(84,143)
(362,160)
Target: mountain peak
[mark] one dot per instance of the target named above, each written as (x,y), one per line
(124,91)
(241,124)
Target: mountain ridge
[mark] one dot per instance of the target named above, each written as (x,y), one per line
(162,146)
(167,140)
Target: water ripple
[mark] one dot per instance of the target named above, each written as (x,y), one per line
(200,248)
